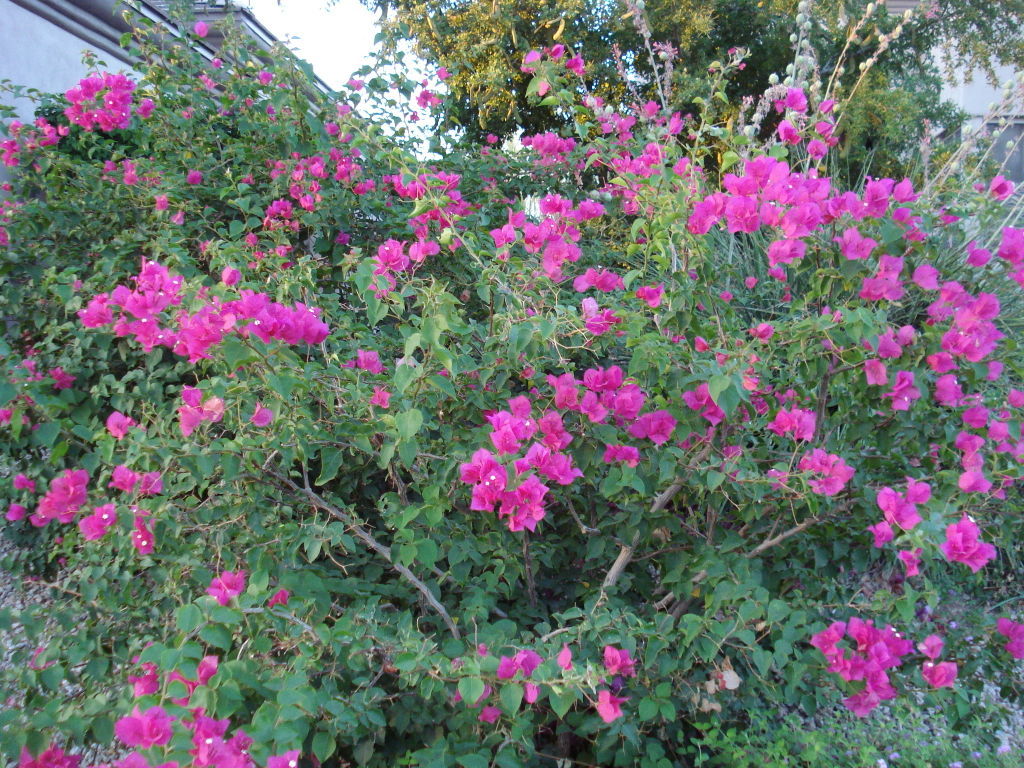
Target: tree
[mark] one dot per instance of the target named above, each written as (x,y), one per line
(482,44)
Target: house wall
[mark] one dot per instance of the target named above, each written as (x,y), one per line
(977,98)
(37,53)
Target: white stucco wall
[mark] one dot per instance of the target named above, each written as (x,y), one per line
(975,96)
(37,53)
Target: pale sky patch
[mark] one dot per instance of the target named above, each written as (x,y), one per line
(336,40)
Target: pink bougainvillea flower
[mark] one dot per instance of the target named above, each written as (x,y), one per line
(525,661)
(651,294)
(609,706)
(206,669)
(903,392)
(61,379)
(52,757)
(123,479)
(280,597)
(875,373)
(228,585)
(194,177)
(368,360)
(882,532)
(96,525)
(489,714)
(941,675)
(118,424)
(381,397)
(700,400)
(201,29)
(948,391)
(289,759)
(901,509)
(24,483)
(626,454)
(833,473)
(974,481)
(142,536)
(911,559)
(564,658)
(15,512)
(1014,633)
(657,427)
(66,495)
(489,478)
(261,417)
(1000,187)
(230,276)
(855,246)
(617,661)
(798,422)
(145,730)
(962,545)
(146,683)
(931,647)
(151,484)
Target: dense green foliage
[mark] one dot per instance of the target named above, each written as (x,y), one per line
(469,301)
(483,44)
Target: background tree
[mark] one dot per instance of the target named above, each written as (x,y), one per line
(482,44)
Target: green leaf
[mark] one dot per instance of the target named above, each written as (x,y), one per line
(777,609)
(330,461)
(717,385)
(46,434)
(762,660)
(648,709)
(363,751)
(283,385)
(236,353)
(323,745)
(188,618)
(511,696)
(714,479)
(471,689)
(7,392)
(216,636)
(561,702)
(409,423)
(407,553)
(729,159)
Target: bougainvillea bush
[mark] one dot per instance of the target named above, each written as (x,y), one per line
(342,443)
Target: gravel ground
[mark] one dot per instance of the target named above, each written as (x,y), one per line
(18,593)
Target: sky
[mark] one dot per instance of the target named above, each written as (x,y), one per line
(335,38)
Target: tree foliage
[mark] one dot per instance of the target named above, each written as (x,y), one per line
(334,446)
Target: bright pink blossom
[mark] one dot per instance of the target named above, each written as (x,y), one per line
(609,706)
(832,472)
(1014,633)
(651,294)
(280,597)
(565,658)
(118,424)
(941,675)
(95,526)
(962,545)
(226,586)
(145,730)
(657,427)
(381,397)
(617,661)
(911,559)
(261,416)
